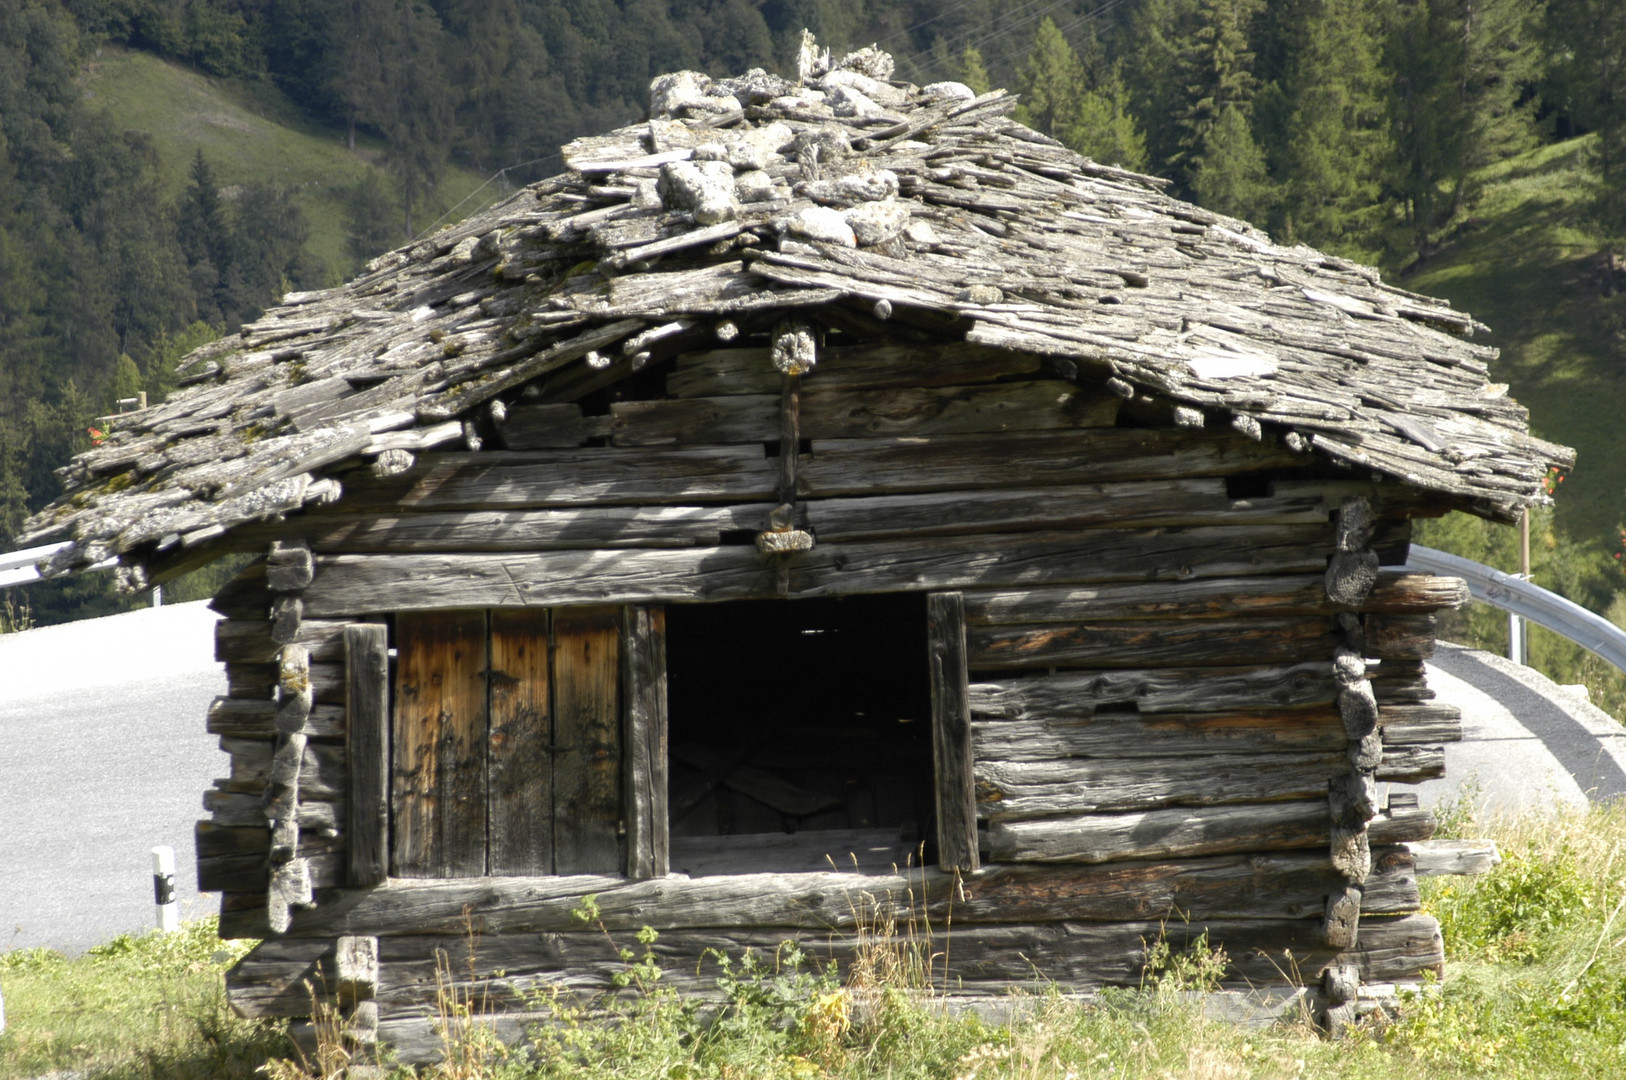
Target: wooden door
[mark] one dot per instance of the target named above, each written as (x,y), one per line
(506,755)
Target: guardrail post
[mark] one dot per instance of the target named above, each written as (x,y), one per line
(163,888)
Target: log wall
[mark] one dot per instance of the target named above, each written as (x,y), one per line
(1150,618)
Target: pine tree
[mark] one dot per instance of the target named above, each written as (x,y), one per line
(1586,45)
(1049,80)
(369,219)
(1331,151)
(204,236)
(1216,71)
(1083,105)
(1102,127)
(1155,33)
(1460,67)
(972,72)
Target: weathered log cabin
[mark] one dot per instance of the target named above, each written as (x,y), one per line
(825,488)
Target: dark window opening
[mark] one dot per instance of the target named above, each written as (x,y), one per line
(800,734)
(1248,485)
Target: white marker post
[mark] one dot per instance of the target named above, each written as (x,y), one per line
(163,888)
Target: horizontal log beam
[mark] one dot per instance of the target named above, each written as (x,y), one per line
(1396,592)
(504,968)
(1041,405)
(1154,690)
(1292,885)
(850,367)
(356,584)
(1013,791)
(1163,833)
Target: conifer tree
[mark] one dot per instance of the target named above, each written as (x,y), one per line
(1156,31)
(1586,47)
(972,72)
(1330,150)
(1460,68)
(1215,70)
(1061,98)
(204,235)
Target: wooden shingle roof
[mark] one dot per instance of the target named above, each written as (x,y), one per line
(739,199)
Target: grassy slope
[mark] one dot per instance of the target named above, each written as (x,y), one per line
(1521,265)
(248,131)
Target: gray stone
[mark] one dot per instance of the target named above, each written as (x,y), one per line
(821,223)
(883,94)
(668,93)
(754,186)
(869,60)
(877,222)
(953,91)
(704,188)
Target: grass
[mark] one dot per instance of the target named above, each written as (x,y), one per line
(1523,263)
(249,131)
(149,1006)
(1536,988)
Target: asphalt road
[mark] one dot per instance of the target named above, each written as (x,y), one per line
(103,755)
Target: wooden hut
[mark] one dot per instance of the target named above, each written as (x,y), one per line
(824,489)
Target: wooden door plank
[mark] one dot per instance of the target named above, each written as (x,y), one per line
(367,668)
(520,811)
(440,745)
(645,736)
(951,733)
(587,740)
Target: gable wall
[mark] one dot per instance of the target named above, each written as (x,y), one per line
(1100,565)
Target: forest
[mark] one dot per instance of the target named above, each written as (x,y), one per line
(1357,126)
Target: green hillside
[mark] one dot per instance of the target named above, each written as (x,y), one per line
(1521,265)
(249,132)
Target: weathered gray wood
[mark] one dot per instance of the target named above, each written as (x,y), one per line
(1162,833)
(498,481)
(1291,885)
(544,427)
(321,774)
(241,809)
(1420,724)
(1110,735)
(880,466)
(846,414)
(249,641)
(365,583)
(645,739)
(1399,637)
(1468,857)
(355,967)
(1157,690)
(1010,791)
(1411,764)
(1151,643)
(1125,504)
(536,530)
(367,666)
(255,718)
(1396,591)
(954,784)
(327,682)
(587,740)
(1343,917)
(323,869)
(519,745)
(1399,824)
(288,568)
(439,779)
(789,417)
(853,367)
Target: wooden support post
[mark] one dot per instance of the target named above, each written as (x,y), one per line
(951,733)
(355,962)
(644,734)
(366,652)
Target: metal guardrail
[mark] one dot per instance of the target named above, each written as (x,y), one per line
(21,567)
(1513,594)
